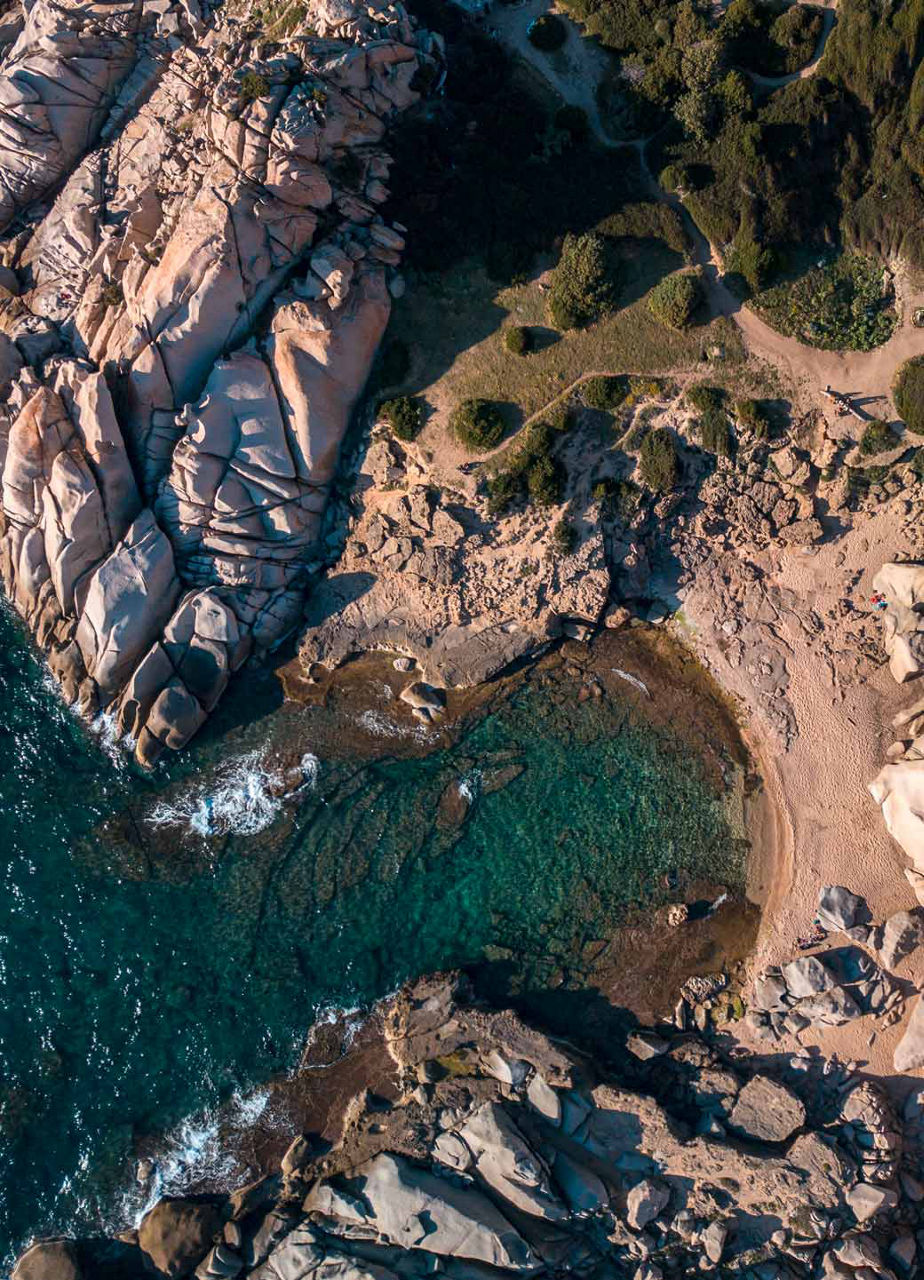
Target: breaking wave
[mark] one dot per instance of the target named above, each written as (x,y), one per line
(197,1152)
(244,797)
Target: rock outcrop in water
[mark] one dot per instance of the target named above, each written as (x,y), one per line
(195,277)
(499,1152)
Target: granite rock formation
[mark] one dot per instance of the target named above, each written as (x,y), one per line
(498,1152)
(899,787)
(194,278)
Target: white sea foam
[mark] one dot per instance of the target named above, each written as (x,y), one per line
(197,1151)
(376,723)
(631,679)
(112,744)
(237,800)
(353,1021)
(470,786)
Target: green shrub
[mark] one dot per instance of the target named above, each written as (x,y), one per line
(673,177)
(504,490)
(659,467)
(843,303)
(518,340)
(673,300)
(561,417)
(478,425)
(253,86)
(877,437)
(583,286)
(605,393)
(112,294)
(749,261)
(564,538)
(753,415)
(908,394)
(547,32)
(704,397)
(715,436)
(404,415)
(617,497)
(544,481)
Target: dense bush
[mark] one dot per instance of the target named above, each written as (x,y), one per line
(877,437)
(714,433)
(604,393)
(659,467)
(504,489)
(673,300)
(528,470)
(517,339)
(478,425)
(843,303)
(253,86)
(908,394)
(544,481)
(703,397)
(404,415)
(753,415)
(583,286)
(564,538)
(547,32)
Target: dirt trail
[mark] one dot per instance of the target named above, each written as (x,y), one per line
(777,82)
(866,376)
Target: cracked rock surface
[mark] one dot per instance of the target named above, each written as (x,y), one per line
(194,278)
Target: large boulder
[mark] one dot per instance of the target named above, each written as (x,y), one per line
(49,1260)
(177,1233)
(509,1166)
(410,1207)
(838,908)
(767,1111)
(902,934)
(909,1052)
(807,976)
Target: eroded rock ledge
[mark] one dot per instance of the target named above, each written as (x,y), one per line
(184,328)
(499,1152)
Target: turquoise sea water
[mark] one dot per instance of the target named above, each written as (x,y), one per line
(148,971)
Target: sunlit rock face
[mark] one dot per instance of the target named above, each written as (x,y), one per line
(187,320)
(899,786)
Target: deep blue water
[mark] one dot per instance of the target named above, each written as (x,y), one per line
(148,972)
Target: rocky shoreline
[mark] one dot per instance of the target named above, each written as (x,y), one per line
(489,1149)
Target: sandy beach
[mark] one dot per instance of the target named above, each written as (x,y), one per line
(820,824)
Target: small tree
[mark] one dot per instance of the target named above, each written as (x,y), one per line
(702,396)
(404,415)
(908,394)
(547,32)
(877,437)
(752,415)
(583,286)
(517,339)
(714,433)
(673,300)
(564,538)
(544,481)
(253,86)
(605,393)
(658,464)
(477,424)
